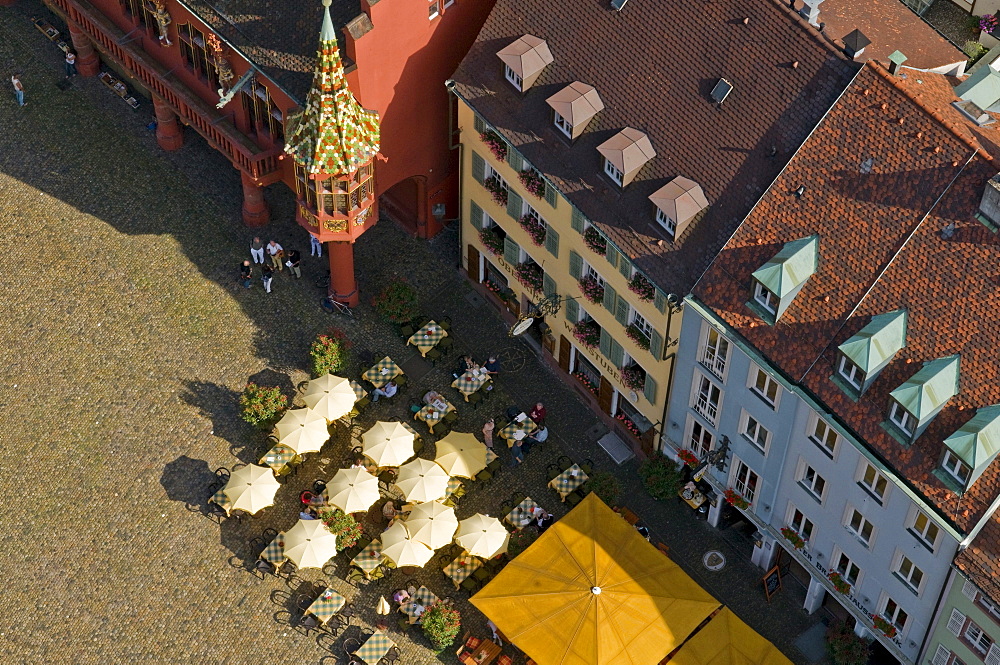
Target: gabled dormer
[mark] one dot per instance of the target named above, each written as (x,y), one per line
(574,107)
(523,61)
(777,282)
(624,154)
(863,356)
(971,449)
(914,404)
(677,203)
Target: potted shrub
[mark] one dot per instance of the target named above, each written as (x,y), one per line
(604,485)
(328,353)
(262,406)
(533,182)
(734,498)
(839,583)
(496,189)
(793,537)
(594,241)
(642,287)
(520,540)
(495,143)
(660,476)
(491,241)
(592,289)
(637,336)
(535,229)
(397,302)
(688,458)
(441,623)
(845,647)
(342,525)
(634,377)
(530,274)
(588,333)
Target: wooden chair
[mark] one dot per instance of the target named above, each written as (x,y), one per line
(471,584)
(574,498)
(433,356)
(476,399)
(665,549)
(446,345)
(587,466)
(406,331)
(564,463)
(450,417)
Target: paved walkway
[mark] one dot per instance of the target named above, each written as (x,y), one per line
(126,341)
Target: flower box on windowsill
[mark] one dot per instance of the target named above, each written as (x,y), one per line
(629,426)
(792,537)
(533,182)
(530,274)
(594,241)
(534,228)
(839,583)
(883,625)
(733,498)
(587,383)
(592,290)
(493,186)
(637,336)
(491,241)
(633,377)
(642,287)
(587,333)
(496,144)
(688,458)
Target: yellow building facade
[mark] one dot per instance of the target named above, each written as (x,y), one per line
(522,240)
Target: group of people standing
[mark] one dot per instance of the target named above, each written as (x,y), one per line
(278,258)
(18,85)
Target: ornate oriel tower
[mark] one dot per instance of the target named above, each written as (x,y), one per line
(333,147)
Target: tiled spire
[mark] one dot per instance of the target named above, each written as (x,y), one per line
(335,134)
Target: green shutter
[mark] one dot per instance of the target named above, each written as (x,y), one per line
(617,356)
(514,159)
(551,241)
(649,390)
(548,285)
(550,195)
(575,265)
(572,311)
(511,251)
(625,267)
(610,298)
(578,222)
(478,167)
(477,216)
(514,205)
(656,345)
(660,301)
(612,255)
(605,344)
(479,124)
(621,311)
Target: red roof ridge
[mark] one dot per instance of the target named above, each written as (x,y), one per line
(935,113)
(829,42)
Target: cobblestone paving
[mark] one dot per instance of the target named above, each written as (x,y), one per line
(125,343)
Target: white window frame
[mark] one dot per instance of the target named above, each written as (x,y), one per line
(702,390)
(988,605)
(975,637)
(763,297)
(527,210)
(797,521)
(942,656)
(850,372)
(612,172)
(755,433)
(742,484)
(922,533)
(563,125)
(892,616)
(872,486)
(510,75)
(856,522)
(957,467)
(696,443)
(755,373)
(911,570)
(901,418)
(838,557)
(434,10)
(493,173)
(808,481)
(639,321)
(667,222)
(820,433)
(591,271)
(715,357)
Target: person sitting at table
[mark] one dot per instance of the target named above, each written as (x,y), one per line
(465,363)
(496,632)
(492,366)
(538,437)
(543,520)
(538,414)
(359,463)
(389,511)
(306,515)
(400,596)
(512,412)
(388,390)
(515,449)
(431,396)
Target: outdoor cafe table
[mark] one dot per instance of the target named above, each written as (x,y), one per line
(221,500)
(490,456)
(431,416)
(427,337)
(566,482)
(527,425)
(367,563)
(359,391)
(484,654)
(279,458)
(461,568)
(423,597)
(383,371)
(522,514)
(326,605)
(274,553)
(374,647)
(471,381)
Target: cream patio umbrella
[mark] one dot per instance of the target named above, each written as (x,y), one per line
(388,444)
(400,547)
(482,535)
(461,454)
(432,524)
(352,490)
(302,430)
(251,488)
(309,544)
(330,396)
(422,480)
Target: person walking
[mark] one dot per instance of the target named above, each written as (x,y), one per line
(315,246)
(294,259)
(257,250)
(70,64)
(246,273)
(15,80)
(488,433)
(275,251)
(266,275)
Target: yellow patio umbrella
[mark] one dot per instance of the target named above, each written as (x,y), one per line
(302,430)
(432,524)
(482,535)
(388,444)
(726,640)
(352,490)
(251,488)
(309,544)
(400,547)
(422,480)
(461,454)
(330,396)
(592,591)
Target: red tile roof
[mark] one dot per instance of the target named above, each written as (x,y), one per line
(981,561)
(654,64)
(880,249)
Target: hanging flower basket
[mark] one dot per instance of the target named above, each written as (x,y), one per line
(688,458)
(530,274)
(839,583)
(496,144)
(587,383)
(642,287)
(535,229)
(592,290)
(492,241)
(637,336)
(634,377)
(628,424)
(533,182)
(496,190)
(594,241)
(793,537)
(588,333)
(733,498)
(883,625)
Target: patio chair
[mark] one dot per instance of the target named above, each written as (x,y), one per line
(451,416)
(441,429)
(342,619)
(433,356)
(446,345)
(445,323)
(404,625)
(418,445)
(494,466)
(355,577)
(484,475)
(421,321)
(350,646)
(551,471)
(476,399)
(482,574)
(400,380)
(574,498)
(221,477)
(471,584)
(392,656)
(264,568)
(588,466)
(406,331)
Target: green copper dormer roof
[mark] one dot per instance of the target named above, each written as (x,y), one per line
(875,344)
(977,442)
(335,135)
(930,388)
(791,267)
(982,88)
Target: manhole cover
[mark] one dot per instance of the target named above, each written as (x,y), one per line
(714,560)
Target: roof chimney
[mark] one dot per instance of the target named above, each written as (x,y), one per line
(810,11)
(989,205)
(896,60)
(855,43)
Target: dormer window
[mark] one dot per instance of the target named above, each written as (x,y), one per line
(975,445)
(865,354)
(612,172)
(624,154)
(956,468)
(563,124)
(851,373)
(777,282)
(576,104)
(914,404)
(523,60)
(513,77)
(765,298)
(677,203)
(902,418)
(667,223)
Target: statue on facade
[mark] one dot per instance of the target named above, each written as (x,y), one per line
(222,68)
(163,20)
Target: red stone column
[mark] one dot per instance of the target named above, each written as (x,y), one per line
(255,210)
(87,61)
(168,132)
(343,286)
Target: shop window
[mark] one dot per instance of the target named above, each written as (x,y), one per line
(585,367)
(194,52)
(634,422)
